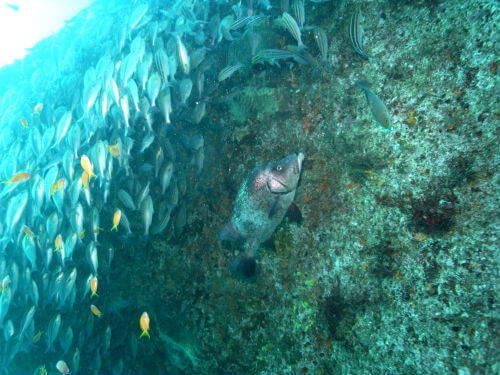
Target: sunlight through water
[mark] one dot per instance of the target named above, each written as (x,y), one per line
(23,23)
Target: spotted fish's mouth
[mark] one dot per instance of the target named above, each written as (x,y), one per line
(284,189)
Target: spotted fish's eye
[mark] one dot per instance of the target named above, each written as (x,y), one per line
(279,168)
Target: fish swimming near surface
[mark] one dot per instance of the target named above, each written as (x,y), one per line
(262,201)
(377,106)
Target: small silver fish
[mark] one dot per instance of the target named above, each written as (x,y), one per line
(137,15)
(128,67)
(29,248)
(70,243)
(66,339)
(104,104)
(125,224)
(92,257)
(8,330)
(182,56)
(15,211)
(161,61)
(145,108)
(142,195)
(147,211)
(199,111)
(185,87)
(52,332)
(153,87)
(28,320)
(200,82)
(76,360)
(172,193)
(142,74)
(165,103)
(95,223)
(164,219)
(147,141)
(52,225)
(124,106)
(377,106)
(166,176)
(90,96)
(159,157)
(172,66)
(63,126)
(112,87)
(126,199)
(134,94)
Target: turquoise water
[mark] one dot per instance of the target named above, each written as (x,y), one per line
(147,190)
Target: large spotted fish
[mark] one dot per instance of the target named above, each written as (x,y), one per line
(262,201)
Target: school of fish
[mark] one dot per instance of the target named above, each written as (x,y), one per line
(99,144)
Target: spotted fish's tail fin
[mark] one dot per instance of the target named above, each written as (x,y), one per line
(244,265)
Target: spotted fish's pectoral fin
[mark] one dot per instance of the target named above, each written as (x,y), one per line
(294,214)
(230,233)
(274,206)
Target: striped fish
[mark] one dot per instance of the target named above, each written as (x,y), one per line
(293,28)
(299,11)
(322,42)
(229,70)
(356,34)
(273,55)
(246,21)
